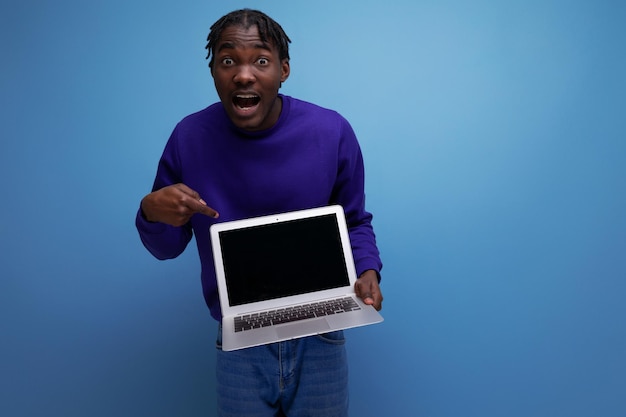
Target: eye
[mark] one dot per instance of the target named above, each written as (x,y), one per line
(227,61)
(263,61)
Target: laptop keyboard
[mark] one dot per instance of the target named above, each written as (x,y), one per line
(295,313)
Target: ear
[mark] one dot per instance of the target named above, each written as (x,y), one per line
(285,70)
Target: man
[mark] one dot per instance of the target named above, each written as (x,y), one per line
(258,152)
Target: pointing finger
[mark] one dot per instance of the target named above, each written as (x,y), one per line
(200,206)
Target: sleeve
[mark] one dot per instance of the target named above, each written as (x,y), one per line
(162,240)
(349,192)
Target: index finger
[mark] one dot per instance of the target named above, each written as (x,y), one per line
(196,204)
(200,206)
(206,210)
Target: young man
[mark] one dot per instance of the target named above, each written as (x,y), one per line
(258,152)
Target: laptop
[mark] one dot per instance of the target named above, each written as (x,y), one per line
(286,276)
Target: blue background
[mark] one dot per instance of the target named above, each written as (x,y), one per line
(494,135)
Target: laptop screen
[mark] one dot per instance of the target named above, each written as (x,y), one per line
(283,259)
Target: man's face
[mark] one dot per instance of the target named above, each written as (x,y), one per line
(247,73)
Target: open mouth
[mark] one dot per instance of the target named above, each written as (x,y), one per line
(245,101)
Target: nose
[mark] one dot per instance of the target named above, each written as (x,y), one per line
(244,75)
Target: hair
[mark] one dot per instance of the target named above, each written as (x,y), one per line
(269,31)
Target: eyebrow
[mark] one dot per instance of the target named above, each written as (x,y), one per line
(231,45)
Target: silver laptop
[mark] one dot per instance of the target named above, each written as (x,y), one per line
(286,276)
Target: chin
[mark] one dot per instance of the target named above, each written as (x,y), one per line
(248,125)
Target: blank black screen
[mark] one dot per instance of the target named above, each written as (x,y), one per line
(283,259)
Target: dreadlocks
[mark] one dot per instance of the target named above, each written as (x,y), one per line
(269,31)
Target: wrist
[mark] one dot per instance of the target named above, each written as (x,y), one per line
(372,272)
(142,212)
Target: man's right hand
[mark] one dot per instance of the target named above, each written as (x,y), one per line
(174,205)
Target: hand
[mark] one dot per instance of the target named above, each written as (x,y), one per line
(174,205)
(367,289)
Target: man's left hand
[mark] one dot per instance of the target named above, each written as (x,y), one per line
(367,289)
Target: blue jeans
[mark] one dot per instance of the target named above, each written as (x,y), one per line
(296,378)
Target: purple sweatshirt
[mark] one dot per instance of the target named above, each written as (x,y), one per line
(309,158)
